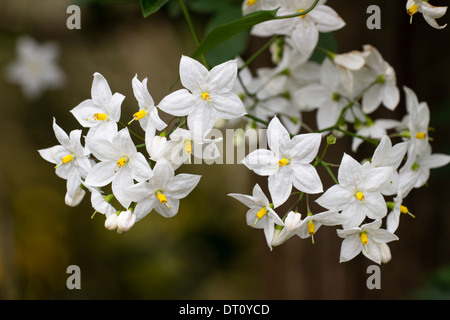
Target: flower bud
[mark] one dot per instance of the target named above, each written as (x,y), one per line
(292,221)
(385,253)
(111,222)
(125,221)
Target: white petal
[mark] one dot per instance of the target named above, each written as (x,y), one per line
(193,75)
(350,248)
(262,161)
(223,77)
(326,19)
(335,197)
(304,147)
(100,91)
(181,185)
(228,105)
(280,186)
(178,103)
(84,113)
(101,174)
(277,136)
(307,179)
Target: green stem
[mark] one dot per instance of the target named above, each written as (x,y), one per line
(132,132)
(300,13)
(259,52)
(187,16)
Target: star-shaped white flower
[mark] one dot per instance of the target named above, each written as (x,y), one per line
(148,114)
(71,159)
(120,163)
(384,90)
(287,163)
(260,214)
(207,95)
(358,194)
(102,112)
(365,239)
(430,13)
(416,170)
(162,192)
(35,68)
(304,30)
(386,155)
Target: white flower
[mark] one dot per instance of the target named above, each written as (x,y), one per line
(386,155)
(417,121)
(430,13)
(384,88)
(294,225)
(148,114)
(416,170)
(328,96)
(71,160)
(101,203)
(102,112)
(187,143)
(393,218)
(35,68)
(358,194)
(159,147)
(365,239)
(304,30)
(287,163)
(120,163)
(207,95)
(260,214)
(373,129)
(162,192)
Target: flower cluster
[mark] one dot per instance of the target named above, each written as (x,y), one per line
(344,91)
(110,158)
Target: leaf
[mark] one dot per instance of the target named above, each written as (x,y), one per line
(151,6)
(224,32)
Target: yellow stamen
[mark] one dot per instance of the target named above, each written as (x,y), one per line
(100,116)
(162,198)
(421,135)
(187,146)
(67,158)
(360,196)
(412,10)
(138,115)
(261,213)
(403,209)
(251,2)
(283,162)
(311,227)
(364,239)
(121,162)
(206,96)
(303,15)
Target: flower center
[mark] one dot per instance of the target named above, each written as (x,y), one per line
(121,162)
(311,229)
(251,2)
(188,146)
(283,162)
(100,116)
(261,213)
(421,135)
(138,115)
(206,96)
(364,238)
(64,160)
(162,198)
(360,196)
(412,10)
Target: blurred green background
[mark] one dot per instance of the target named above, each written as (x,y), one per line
(206,251)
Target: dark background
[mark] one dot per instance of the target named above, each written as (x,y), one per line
(206,251)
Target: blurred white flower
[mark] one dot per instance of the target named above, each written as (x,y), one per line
(35,67)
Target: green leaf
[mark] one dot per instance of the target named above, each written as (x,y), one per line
(224,32)
(151,6)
